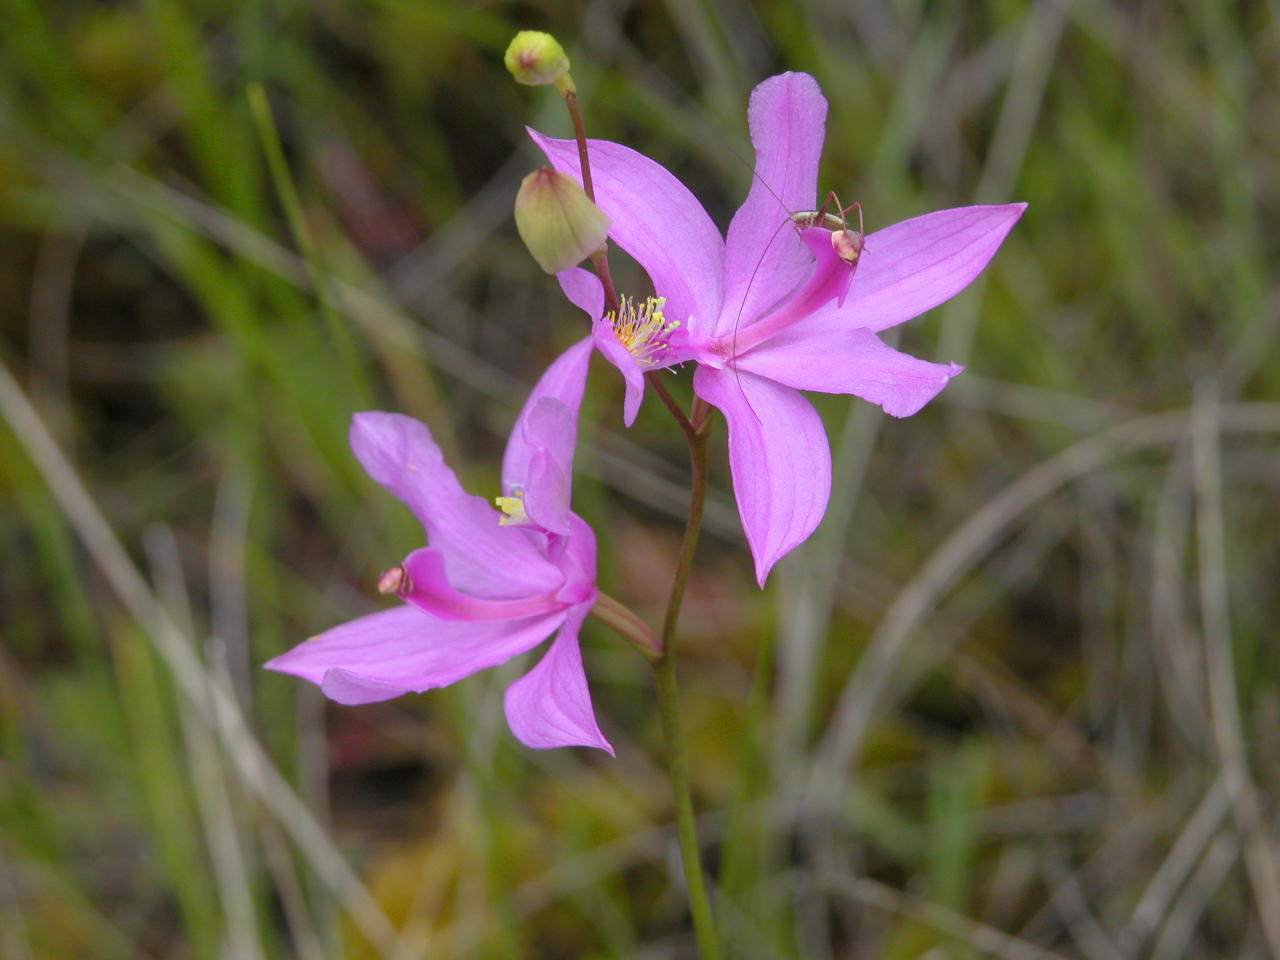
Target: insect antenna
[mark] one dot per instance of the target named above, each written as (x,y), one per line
(742,302)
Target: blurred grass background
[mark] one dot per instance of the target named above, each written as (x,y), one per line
(1017,698)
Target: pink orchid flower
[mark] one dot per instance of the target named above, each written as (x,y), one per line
(490,585)
(769,310)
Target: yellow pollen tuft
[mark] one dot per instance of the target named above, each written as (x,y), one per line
(512,508)
(642,330)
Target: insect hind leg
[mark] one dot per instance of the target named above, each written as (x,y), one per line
(824,218)
(838,220)
(844,211)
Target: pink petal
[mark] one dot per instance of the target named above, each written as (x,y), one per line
(433,594)
(577,558)
(915,265)
(546,496)
(403,650)
(539,459)
(620,357)
(550,706)
(779,457)
(351,689)
(656,220)
(548,422)
(851,361)
(764,260)
(484,558)
(584,290)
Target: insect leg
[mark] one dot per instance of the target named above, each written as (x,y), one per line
(845,210)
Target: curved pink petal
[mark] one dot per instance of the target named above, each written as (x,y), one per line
(779,458)
(550,706)
(431,592)
(548,422)
(764,260)
(915,265)
(577,558)
(484,558)
(620,357)
(656,220)
(546,497)
(403,650)
(539,460)
(851,361)
(584,291)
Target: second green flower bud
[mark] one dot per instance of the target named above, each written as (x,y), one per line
(557,221)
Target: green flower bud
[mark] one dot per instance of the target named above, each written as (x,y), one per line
(557,221)
(537,59)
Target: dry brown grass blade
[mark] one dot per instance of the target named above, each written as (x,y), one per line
(224,839)
(1224,701)
(985,939)
(1177,866)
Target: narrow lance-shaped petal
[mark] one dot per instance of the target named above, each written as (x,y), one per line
(779,457)
(402,650)
(763,260)
(550,706)
(585,292)
(538,464)
(914,266)
(851,361)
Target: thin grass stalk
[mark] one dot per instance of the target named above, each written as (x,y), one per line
(290,199)
(1224,696)
(231,871)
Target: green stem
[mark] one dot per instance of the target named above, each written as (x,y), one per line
(664,680)
(694,428)
(697,440)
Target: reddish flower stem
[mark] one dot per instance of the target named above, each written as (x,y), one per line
(580,133)
(668,401)
(599,259)
(627,624)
